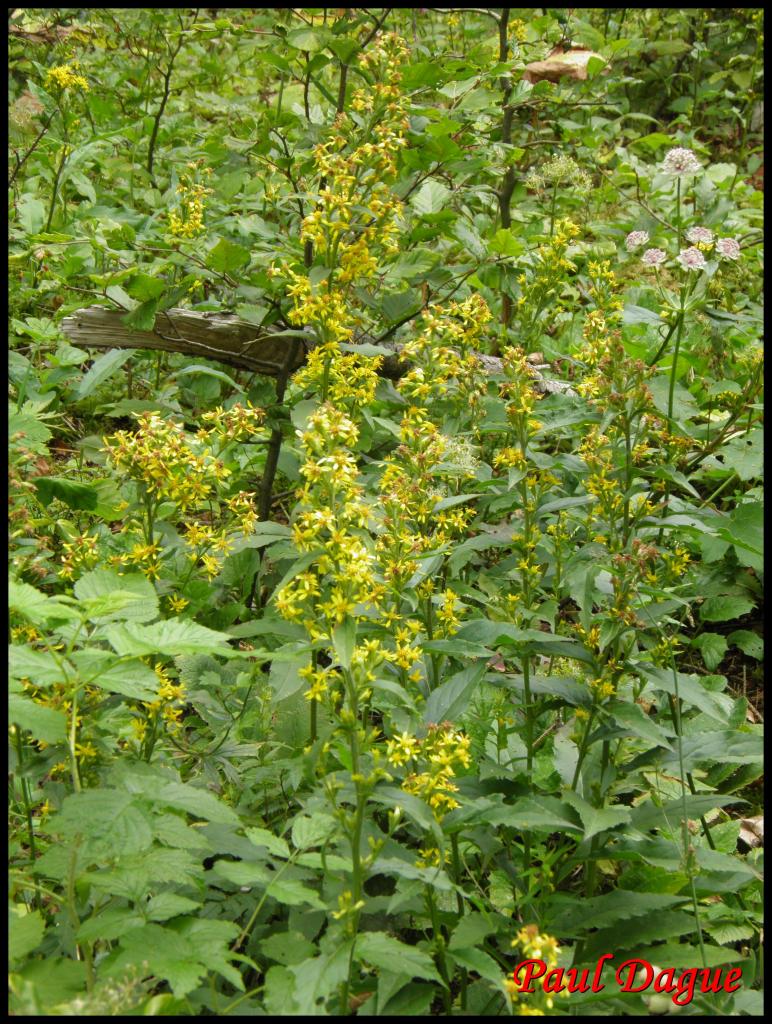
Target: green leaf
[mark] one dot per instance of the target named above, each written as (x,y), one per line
(131,678)
(172,637)
(661,924)
(725,608)
(634,719)
(208,371)
(140,599)
(167,905)
(262,837)
(749,643)
(678,955)
(196,801)
(431,197)
(44,723)
(294,894)
(546,815)
(75,495)
(306,39)
(39,666)
(109,818)
(37,607)
(470,931)
(649,815)
(611,908)
(385,951)
(504,243)
(25,932)
(312,830)
(143,287)
(597,819)
(143,317)
(712,647)
(110,925)
(227,256)
(478,961)
(448,702)
(458,648)
(344,638)
(242,872)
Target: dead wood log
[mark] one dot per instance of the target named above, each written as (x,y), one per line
(227,339)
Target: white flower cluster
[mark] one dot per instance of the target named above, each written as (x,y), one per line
(680,162)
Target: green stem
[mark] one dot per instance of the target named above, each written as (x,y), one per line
(583,748)
(439,946)
(55,186)
(688,850)
(674,367)
(24,785)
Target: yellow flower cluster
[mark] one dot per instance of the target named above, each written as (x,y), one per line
(330,522)
(408,497)
(79,555)
(445,363)
(541,289)
(188,220)
(160,456)
(518,389)
(168,705)
(351,378)
(66,76)
(533,945)
(442,751)
(169,466)
(234,424)
(602,481)
(354,223)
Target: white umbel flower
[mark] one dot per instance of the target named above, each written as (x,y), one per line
(691,259)
(728,248)
(681,161)
(636,239)
(653,257)
(700,236)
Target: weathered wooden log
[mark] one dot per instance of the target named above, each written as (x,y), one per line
(227,339)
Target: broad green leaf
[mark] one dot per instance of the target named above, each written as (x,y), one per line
(382,950)
(725,608)
(131,678)
(612,908)
(312,830)
(597,819)
(172,637)
(449,701)
(39,667)
(262,837)
(294,894)
(749,643)
(141,600)
(73,494)
(196,801)
(37,607)
(344,638)
(712,647)
(109,818)
(431,197)
(143,287)
(47,724)
(227,256)
(25,932)
(633,718)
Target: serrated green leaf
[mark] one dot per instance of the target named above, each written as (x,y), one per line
(382,950)
(141,600)
(44,723)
